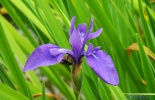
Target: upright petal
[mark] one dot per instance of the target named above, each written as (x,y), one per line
(76,43)
(91,26)
(103,66)
(42,56)
(72,25)
(90,49)
(82,31)
(82,28)
(94,34)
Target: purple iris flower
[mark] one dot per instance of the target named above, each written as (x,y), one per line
(100,62)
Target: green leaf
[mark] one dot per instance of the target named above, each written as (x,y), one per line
(9,58)
(7,93)
(146,31)
(14,38)
(117,93)
(60,7)
(131,19)
(32,17)
(86,89)
(136,7)
(81,10)
(147,67)
(18,21)
(103,92)
(5,78)
(43,91)
(29,92)
(51,23)
(93,87)
(55,78)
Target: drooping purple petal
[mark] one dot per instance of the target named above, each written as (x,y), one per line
(94,34)
(72,25)
(42,56)
(76,43)
(102,64)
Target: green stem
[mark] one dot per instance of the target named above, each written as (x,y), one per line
(77,96)
(77,79)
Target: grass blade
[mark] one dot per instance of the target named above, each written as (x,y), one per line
(11,62)
(5,78)
(43,91)
(147,67)
(7,93)
(18,21)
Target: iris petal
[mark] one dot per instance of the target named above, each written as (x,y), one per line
(94,34)
(72,25)
(102,64)
(91,26)
(41,56)
(56,51)
(82,28)
(76,43)
(90,50)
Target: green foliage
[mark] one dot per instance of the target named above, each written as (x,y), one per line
(36,22)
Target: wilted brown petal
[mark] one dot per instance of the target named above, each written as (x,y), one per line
(134,46)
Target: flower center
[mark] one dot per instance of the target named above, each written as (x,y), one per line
(67,60)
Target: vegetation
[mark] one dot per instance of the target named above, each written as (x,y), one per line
(128,36)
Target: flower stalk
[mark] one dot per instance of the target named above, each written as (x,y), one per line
(77,79)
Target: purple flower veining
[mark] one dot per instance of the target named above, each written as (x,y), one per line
(100,62)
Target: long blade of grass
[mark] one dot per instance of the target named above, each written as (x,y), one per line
(103,92)
(55,78)
(9,58)
(51,23)
(14,39)
(147,66)
(146,31)
(26,11)
(5,78)
(43,91)
(29,92)
(7,93)
(18,21)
